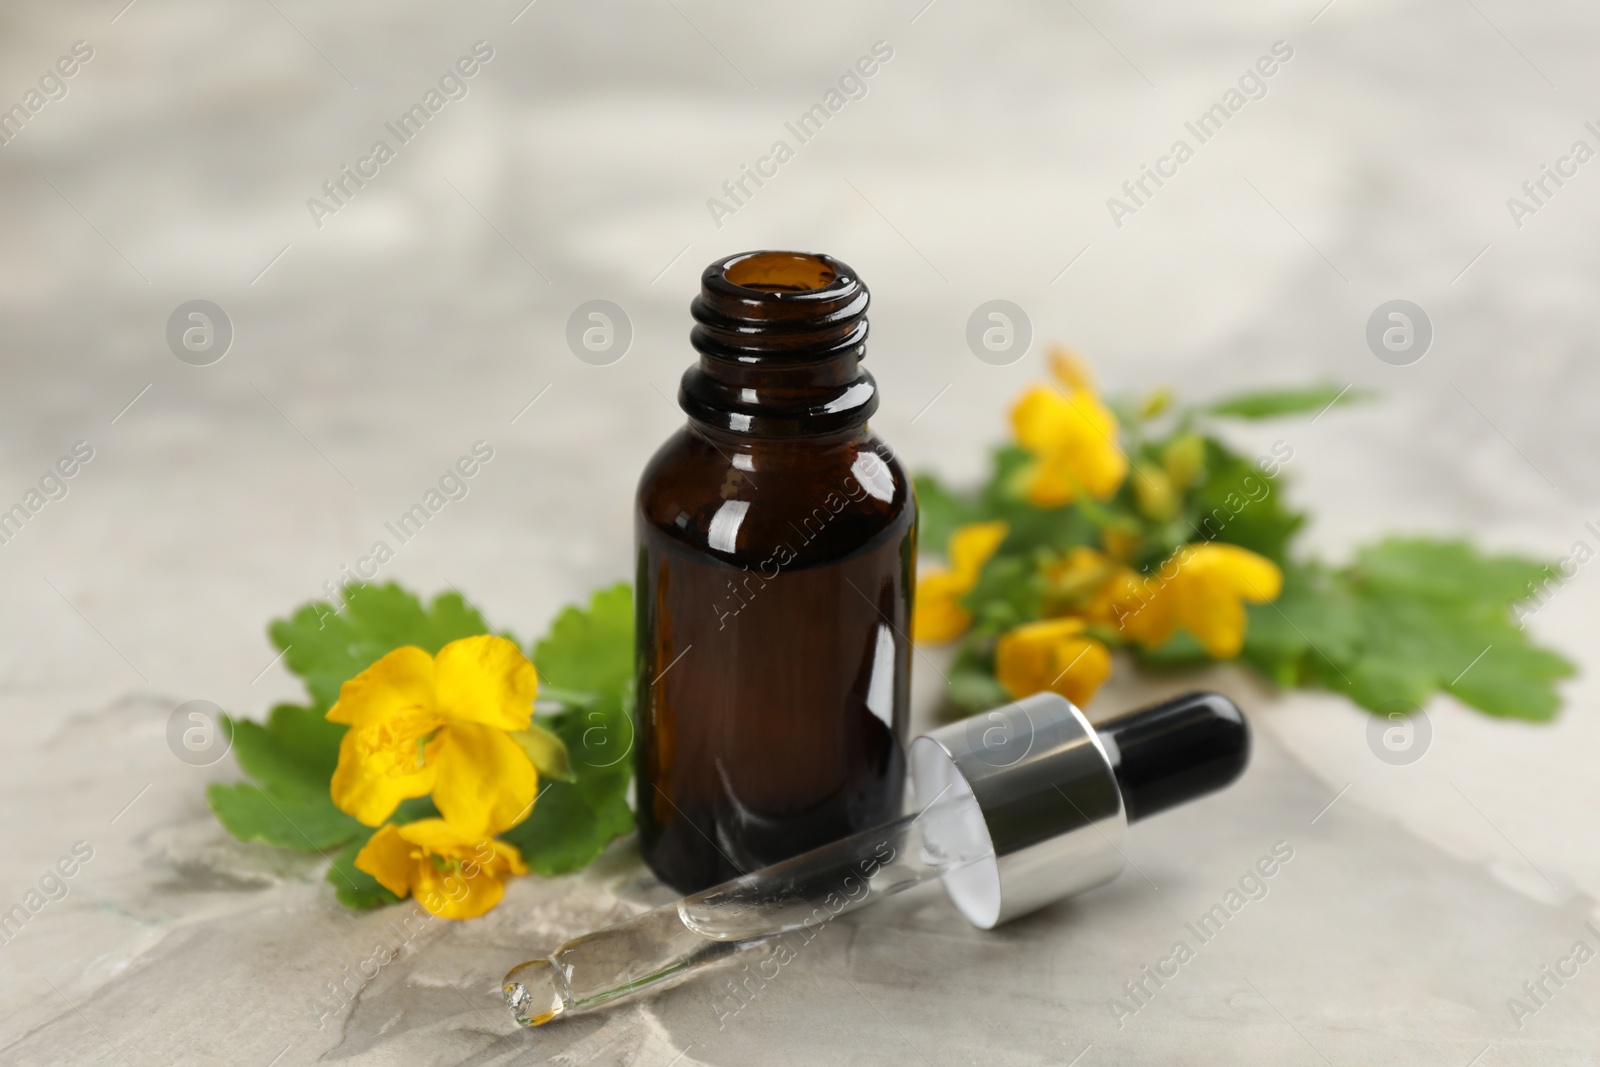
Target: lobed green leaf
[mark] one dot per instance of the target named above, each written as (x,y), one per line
(573,821)
(590,649)
(327,646)
(1238,503)
(303,822)
(356,888)
(1410,618)
(940,511)
(1272,403)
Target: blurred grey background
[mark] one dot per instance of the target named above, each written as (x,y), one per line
(374,345)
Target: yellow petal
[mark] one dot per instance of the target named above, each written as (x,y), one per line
(1041,419)
(387,857)
(1085,666)
(1139,606)
(485,783)
(1052,654)
(938,616)
(486,853)
(487,680)
(400,680)
(367,783)
(1093,413)
(1255,578)
(1218,623)
(438,836)
(1050,485)
(456,875)
(1092,453)
(1212,583)
(971,546)
(508,858)
(454,895)
(471,878)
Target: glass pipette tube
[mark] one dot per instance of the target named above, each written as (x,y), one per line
(658,947)
(1027,805)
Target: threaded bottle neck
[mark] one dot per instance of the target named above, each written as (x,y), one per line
(781,336)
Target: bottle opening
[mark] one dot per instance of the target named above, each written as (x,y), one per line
(780,272)
(781,336)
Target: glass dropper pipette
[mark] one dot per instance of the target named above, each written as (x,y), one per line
(1017,808)
(748,912)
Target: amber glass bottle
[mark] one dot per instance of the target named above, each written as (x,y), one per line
(776,538)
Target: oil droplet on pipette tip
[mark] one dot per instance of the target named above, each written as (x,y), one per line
(533,992)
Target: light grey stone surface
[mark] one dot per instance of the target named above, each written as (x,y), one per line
(370,352)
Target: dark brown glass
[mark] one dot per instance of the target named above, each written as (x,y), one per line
(776,537)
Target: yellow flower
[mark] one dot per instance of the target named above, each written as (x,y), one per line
(1201,587)
(1052,654)
(1072,436)
(939,615)
(424,724)
(453,875)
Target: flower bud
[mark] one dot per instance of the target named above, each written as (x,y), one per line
(1120,545)
(1155,404)
(1070,369)
(1183,458)
(1152,492)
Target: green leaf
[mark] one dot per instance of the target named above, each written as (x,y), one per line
(1450,570)
(1405,621)
(327,647)
(1031,527)
(356,888)
(572,822)
(973,687)
(1180,651)
(1057,529)
(1513,680)
(1271,403)
(940,511)
(1316,615)
(305,823)
(547,751)
(1008,594)
(294,752)
(590,649)
(567,829)
(1239,504)
(587,658)
(291,758)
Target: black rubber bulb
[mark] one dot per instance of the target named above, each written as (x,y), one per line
(1172,752)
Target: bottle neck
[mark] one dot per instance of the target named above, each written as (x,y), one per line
(781,336)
